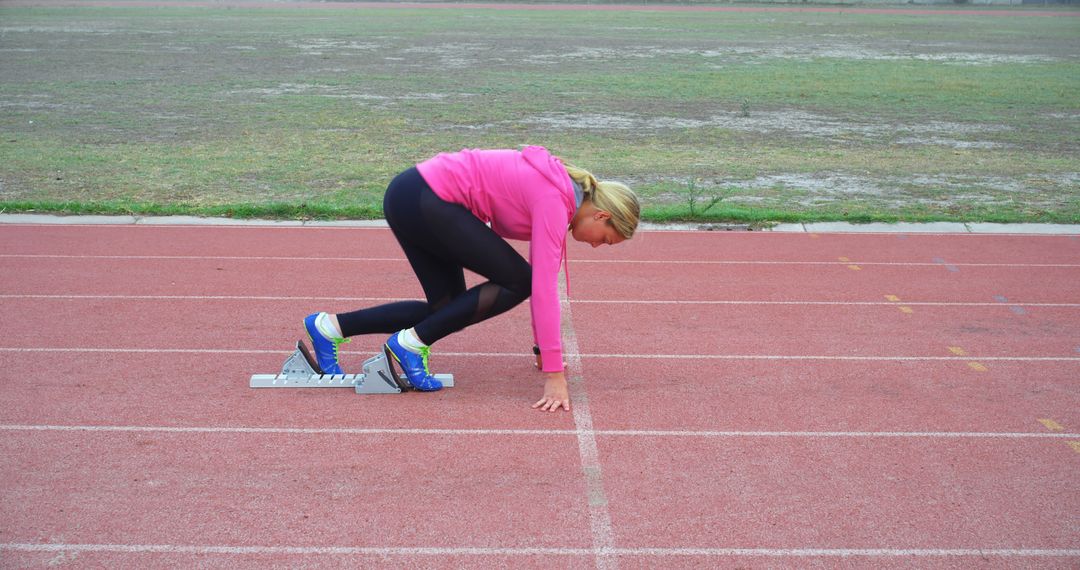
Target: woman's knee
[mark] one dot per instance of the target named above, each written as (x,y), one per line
(520,281)
(437,304)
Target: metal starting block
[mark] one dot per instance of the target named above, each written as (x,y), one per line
(302,371)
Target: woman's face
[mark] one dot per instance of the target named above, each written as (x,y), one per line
(591,226)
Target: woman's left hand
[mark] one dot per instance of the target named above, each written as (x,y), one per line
(556,393)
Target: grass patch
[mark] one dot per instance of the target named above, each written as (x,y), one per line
(280,211)
(293,113)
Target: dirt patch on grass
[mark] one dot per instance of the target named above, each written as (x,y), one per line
(338,92)
(789,121)
(321,46)
(862,52)
(937,53)
(454,55)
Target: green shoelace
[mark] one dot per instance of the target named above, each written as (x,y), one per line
(425,354)
(338,342)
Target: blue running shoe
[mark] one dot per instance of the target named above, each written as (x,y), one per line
(326,349)
(415,365)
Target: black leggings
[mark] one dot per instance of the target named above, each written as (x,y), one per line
(440,239)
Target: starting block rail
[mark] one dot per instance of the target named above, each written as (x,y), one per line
(302,371)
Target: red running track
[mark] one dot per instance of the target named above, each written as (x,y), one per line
(740,399)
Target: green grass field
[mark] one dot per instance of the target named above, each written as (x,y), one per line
(298,112)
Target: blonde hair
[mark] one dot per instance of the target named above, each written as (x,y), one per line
(612,197)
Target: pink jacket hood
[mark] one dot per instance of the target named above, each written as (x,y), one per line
(552,168)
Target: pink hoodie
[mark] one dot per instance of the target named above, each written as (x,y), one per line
(525,195)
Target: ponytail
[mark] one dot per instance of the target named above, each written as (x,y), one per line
(612,197)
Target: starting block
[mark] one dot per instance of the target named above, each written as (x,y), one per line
(302,371)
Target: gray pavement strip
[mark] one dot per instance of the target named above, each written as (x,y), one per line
(816,227)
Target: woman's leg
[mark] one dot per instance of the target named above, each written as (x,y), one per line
(439,239)
(459,238)
(440,279)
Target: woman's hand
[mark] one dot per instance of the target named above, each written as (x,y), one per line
(556,393)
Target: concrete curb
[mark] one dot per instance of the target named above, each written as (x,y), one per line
(820,227)
(178,221)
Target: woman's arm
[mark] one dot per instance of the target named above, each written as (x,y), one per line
(549,225)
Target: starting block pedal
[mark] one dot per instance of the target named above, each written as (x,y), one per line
(302,371)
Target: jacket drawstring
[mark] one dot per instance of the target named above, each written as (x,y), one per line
(566,268)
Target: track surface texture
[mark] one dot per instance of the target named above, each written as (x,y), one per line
(740,399)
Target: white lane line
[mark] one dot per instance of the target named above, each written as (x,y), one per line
(707,434)
(146,350)
(570,355)
(573,261)
(228,298)
(295,431)
(603,537)
(840,263)
(477,551)
(890,304)
(830,434)
(846,552)
(830,303)
(310,550)
(207,257)
(836,358)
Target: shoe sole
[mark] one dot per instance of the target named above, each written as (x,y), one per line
(401,379)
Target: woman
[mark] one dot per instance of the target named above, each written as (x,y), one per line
(440,211)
